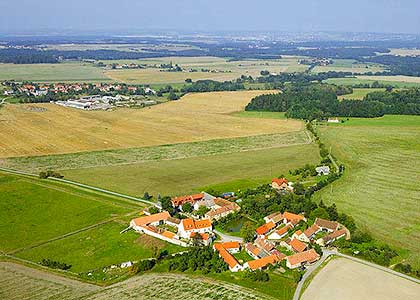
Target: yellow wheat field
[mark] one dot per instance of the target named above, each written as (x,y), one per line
(43,129)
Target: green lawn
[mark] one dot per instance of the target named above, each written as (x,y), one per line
(33,210)
(260,114)
(52,72)
(99,247)
(181,176)
(353,81)
(380,188)
(359,94)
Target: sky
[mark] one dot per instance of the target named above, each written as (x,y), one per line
(388,16)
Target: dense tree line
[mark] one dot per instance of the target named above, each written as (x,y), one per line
(26,56)
(318,101)
(402,102)
(202,259)
(212,86)
(54,264)
(398,65)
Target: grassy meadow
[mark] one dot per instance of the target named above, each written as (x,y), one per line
(34,211)
(181,176)
(381,186)
(196,117)
(359,93)
(394,81)
(98,247)
(62,72)
(349,65)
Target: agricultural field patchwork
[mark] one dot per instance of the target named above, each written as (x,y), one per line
(196,117)
(220,69)
(347,280)
(380,188)
(349,65)
(62,72)
(387,80)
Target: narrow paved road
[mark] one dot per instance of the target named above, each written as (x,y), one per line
(327,253)
(89,187)
(229,238)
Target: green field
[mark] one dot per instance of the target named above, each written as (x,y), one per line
(71,72)
(99,247)
(155,153)
(359,94)
(354,81)
(349,65)
(34,211)
(380,188)
(180,176)
(260,114)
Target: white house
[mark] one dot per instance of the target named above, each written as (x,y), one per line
(189,226)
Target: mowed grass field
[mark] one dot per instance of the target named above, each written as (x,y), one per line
(99,247)
(388,80)
(347,280)
(349,65)
(222,68)
(33,211)
(381,186)
(359,93)
(69,72)
(182,176)
(196,117)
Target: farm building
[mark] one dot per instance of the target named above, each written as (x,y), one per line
(281,184)
(328,239)
(189,226)
(323,170)
(225,250)
(326,224)
(299,259)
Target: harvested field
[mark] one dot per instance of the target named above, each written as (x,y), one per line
(69,72)
(220,69)
(348,280)
(20,282)
(381,186)
(196,117)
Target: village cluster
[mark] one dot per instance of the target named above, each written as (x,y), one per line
(281,237)
(124,95)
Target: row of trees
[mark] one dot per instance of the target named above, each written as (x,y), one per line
(318,101)
(202,259)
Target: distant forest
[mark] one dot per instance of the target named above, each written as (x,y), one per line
(319,101)
(366,52)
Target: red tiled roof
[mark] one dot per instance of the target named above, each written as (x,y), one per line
(302,257)
(283,230)
(190,224)
(335,235)
(263,229)
(297,245)
(311,230)
(227,257)
(326,224)
(178,201)
(280,181)
(262,262)
(291,216)
(152,218)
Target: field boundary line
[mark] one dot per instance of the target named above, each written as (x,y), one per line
(63,236)
(81,185)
